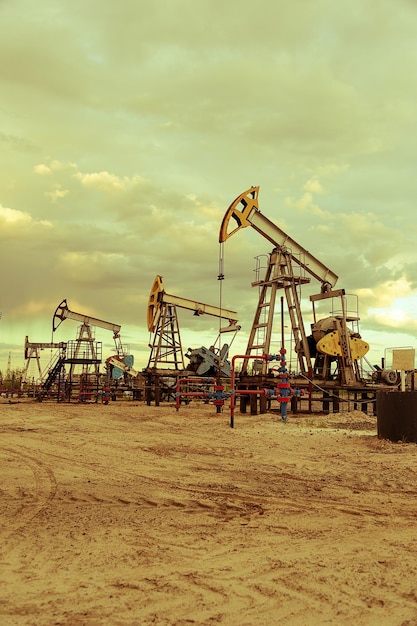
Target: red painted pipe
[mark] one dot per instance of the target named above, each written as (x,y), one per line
(178,394)
(264,357)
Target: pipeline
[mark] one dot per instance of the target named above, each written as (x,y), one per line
(218,395)
(284,387)
(245,392)
(283,391)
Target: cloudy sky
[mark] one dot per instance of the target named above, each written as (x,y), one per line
(126,130)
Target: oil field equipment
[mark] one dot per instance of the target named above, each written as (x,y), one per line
(166,361)
(32,352)
(166,347)
(85,352)
(330,354)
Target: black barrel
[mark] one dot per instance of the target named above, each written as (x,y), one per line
(397,415)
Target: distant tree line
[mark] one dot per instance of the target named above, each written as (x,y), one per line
(11,378)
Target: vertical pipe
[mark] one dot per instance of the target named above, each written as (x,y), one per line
(232,397)
(264,357)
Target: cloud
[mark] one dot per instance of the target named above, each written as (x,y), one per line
(305,204)
(56,193)
(120,153)
(42,169)
(53,165)
(313,186)
(106,182)
(384,294)
(13,216)
(32,308)
(94,268)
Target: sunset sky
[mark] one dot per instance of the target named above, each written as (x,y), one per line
(126,130)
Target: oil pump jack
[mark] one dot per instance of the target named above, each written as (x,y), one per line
(85,351)
(166,359)
(166,348)
(331,353)
(32,352)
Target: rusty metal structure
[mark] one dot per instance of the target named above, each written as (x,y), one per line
(166,360)
(84,353)
(32,353)
(330,355)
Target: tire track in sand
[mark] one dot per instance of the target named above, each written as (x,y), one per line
(28,485)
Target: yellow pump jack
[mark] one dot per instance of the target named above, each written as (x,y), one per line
(166,348)
(331,341)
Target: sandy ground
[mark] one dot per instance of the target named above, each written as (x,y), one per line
(128,514)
